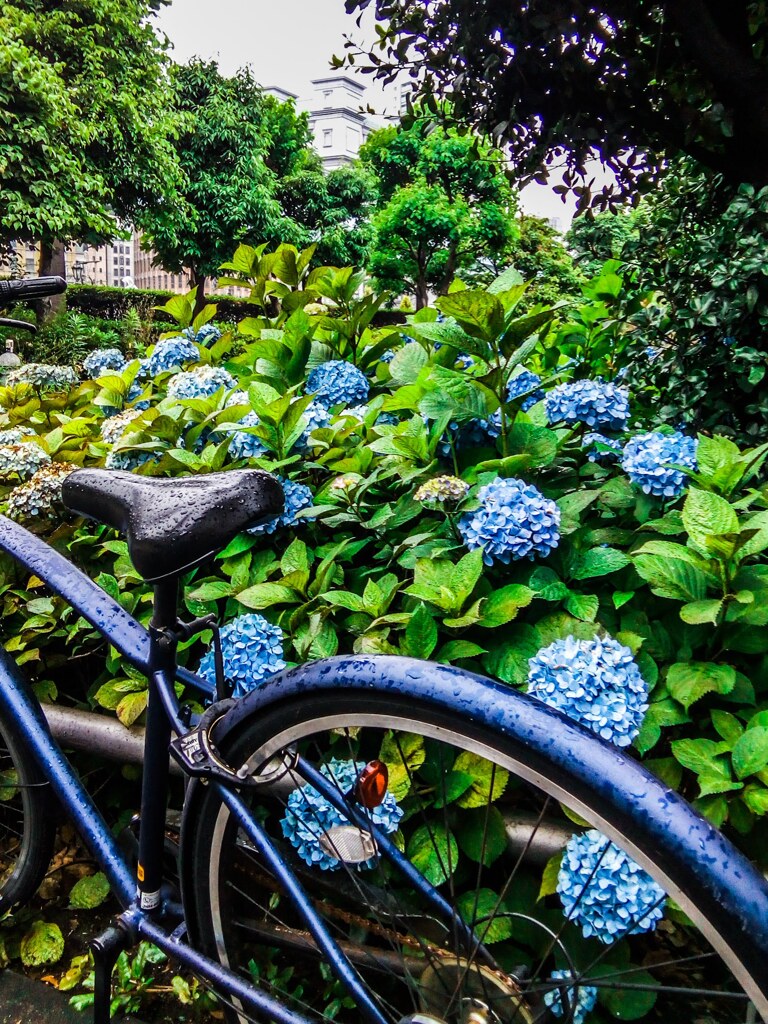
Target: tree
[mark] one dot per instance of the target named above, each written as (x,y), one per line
(595,239)
(638,80)
(333,211)
(232,141)
(83,121)
(536,250)
(444,202)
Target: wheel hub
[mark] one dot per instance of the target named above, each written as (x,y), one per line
(457,991)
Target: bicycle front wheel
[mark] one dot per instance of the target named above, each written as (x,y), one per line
(548,916)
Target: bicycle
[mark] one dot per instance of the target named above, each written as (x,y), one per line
(326,867)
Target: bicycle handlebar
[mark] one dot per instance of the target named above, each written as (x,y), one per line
(31,288)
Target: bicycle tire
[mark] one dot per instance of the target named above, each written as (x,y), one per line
(27,822)
(221,876)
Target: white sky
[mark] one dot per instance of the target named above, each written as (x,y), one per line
(288,43)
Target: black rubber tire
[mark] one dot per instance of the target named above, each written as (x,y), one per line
(213,879)
(27,823)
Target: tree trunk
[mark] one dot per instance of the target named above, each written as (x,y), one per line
(422,293)
(52,263)
(198,280)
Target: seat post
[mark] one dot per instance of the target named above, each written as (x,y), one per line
(157,738)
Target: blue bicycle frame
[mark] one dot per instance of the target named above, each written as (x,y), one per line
(617,790)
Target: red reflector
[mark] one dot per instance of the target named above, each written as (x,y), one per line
(372,784)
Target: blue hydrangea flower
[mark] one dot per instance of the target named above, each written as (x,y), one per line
(648,460)
(594,402)
(514,521)
(651,352)
(207,335)
(22,459)
(594,454)
(523,382)
(252,651)
(387,356)
(112,429)
(44,376)
(586,997)
(172,354)
(128,460)
(40,496)
(464,361)
(102,361)
(14,435)
(476,433)
(314,417)
(297,497)
(595,682)
(338,382)
(605,892)
(202,382)
(245,445)
(309,815)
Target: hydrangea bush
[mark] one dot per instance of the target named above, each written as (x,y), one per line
(628,592)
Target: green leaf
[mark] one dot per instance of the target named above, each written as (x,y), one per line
(482,835)
(131,707)
(756,799)
(89,892)
(489,780)
(675,578)
(706,514)
(487,913)
(697,613)
(501,606)
(583,606)
(690,681)
(433,851)
(549,877)
(628,1004)
(698,755)
(211,591)
(455,650)
(403,753)
(750,752)
(476,310)
(598,562)
(344,599)
(407,364)
(420,637)
(465,575)
(508,661)
(43,943)
(727,726)
(264,595)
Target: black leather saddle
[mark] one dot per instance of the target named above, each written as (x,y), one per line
(174,524)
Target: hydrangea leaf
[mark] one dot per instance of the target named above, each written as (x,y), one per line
(549,875)
(482,835)
(89,892)
(403,753)
(489,780)
(479,313)
(420,637)
(690,681)
(433,850)
(43,943)
(408,363)
(696,613)
(501,606)
(675,578)
(508,660)
(264,595)
(213,590)
(583,606)
(598,562)
(750,752)
(131,707)
(628,1004)
(706,514)
(455,650)
(755,797)
(699,755)
(486,911)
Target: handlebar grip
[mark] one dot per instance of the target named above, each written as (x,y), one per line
(31,288)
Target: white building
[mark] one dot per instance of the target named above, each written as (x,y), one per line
(337,118)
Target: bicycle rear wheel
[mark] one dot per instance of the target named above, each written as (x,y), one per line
(27,824)
(578,936)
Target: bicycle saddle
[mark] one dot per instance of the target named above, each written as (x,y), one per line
(173,524)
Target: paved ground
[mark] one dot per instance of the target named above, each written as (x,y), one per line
(23,1001)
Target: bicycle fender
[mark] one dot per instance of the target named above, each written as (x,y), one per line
(703,871)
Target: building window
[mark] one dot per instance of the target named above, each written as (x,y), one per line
(327,138)
(353,140)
